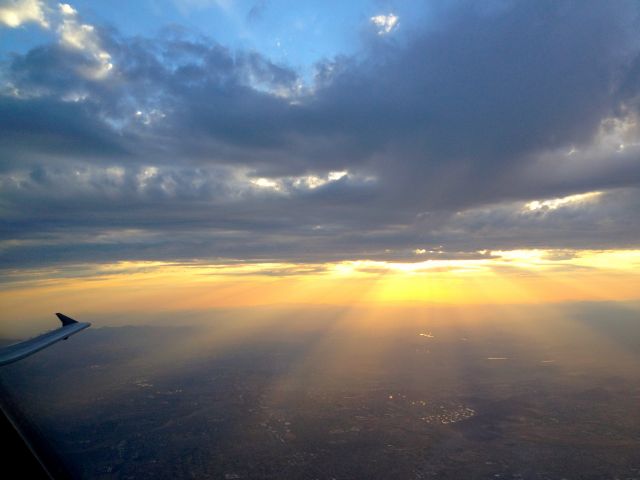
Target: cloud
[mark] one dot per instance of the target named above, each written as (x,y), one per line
(385,23)
(438,144)
(14,13)
(555,203)
(82,37)
(72,34)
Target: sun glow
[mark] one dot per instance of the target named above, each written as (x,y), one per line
(555,203)
(501,277)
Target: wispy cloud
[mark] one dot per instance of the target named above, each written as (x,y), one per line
(385,23)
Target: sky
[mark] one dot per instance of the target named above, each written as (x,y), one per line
(392,151)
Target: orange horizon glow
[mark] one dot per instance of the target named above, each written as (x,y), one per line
(504,277)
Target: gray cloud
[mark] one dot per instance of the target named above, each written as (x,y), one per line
(187,150)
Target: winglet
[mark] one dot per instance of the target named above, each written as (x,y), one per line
(65,320)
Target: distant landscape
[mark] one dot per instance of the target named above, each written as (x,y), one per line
(315,398)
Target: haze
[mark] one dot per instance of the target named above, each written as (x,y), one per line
(364,239)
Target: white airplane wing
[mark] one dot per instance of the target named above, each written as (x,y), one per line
(17,351)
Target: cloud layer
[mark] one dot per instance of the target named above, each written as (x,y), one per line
(175,147)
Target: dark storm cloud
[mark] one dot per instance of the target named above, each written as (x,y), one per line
(48,126)
(487,106)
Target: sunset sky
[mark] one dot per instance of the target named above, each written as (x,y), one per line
(180,155)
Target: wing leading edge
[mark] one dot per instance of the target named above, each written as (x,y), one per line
(18,351)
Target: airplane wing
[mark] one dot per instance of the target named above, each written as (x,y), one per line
(18,351)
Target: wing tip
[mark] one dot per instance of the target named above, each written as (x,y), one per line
(65,320)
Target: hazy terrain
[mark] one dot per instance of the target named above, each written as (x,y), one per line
(345,393)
